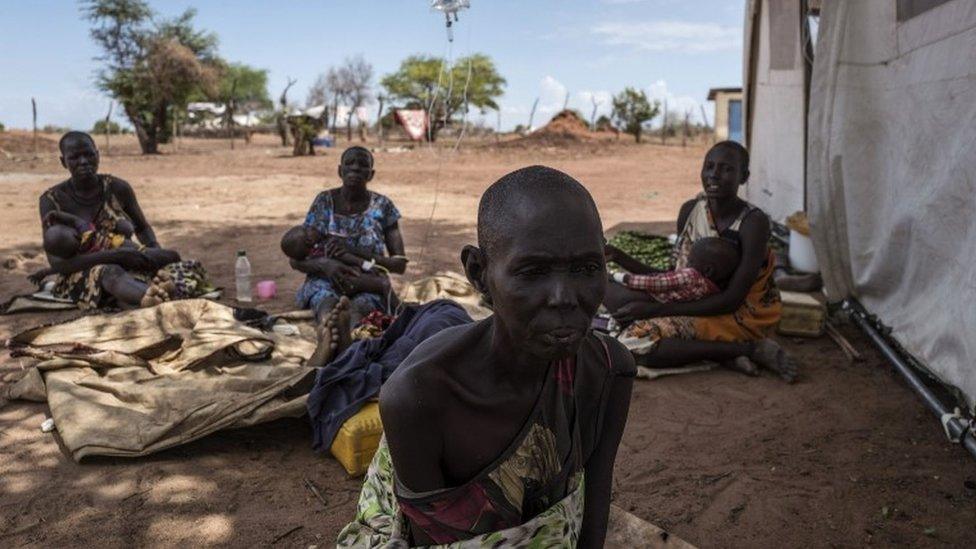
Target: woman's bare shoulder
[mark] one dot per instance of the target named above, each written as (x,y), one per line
(430,362)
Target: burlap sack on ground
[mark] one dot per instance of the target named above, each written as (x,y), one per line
(447,285)
(140,381)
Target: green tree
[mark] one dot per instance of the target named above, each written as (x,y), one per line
(151,65)
(604,124)
(246,86)
(446,91)
(631,109)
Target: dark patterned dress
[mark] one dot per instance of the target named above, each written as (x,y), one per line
(85,287)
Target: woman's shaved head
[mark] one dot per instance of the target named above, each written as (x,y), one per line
(539,261)
(529,188)
(73,136)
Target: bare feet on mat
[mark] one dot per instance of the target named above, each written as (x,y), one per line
(334,334)
(344,322)
(161,288)
(768,354)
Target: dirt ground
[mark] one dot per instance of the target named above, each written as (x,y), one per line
(848,456)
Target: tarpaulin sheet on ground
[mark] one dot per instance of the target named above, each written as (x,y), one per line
(138,382)
(891,177)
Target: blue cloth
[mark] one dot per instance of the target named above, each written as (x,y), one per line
(316,289)
(345,384)
(364,233)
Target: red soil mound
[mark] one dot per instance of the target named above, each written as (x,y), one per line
(565,129)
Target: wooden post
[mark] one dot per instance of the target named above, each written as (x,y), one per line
(108,128)
(498,125)
(596,104)
(704,118)
(566,101)
(664,124)
(176,115)
(532,114)
(34,138)
(281,120)
(684,133)
(379,119)
(231,107)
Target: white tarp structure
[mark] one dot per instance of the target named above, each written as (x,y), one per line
(891,172)
(775,76)
(211,115)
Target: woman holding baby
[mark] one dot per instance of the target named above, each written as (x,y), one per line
(349,244)
(89,222)
(732,324)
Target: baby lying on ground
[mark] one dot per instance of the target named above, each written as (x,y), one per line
(711,263)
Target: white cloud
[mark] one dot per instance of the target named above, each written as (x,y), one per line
(552,97)
(678,105)
(670,36)
(584,103)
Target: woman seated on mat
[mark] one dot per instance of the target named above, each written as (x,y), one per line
(732,326)
(88,222)
(353,235)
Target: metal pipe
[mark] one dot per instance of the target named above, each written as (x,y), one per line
(955,427)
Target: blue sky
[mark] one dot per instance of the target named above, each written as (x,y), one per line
(674,49)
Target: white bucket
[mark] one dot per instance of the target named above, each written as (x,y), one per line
(802,256)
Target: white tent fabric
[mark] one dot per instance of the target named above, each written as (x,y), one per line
(775,106)
(891,172)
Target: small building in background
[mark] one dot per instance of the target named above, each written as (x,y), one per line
(728,113)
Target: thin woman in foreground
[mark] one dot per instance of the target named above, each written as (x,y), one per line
(731,327)
(495,427)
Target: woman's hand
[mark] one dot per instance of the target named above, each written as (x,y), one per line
(336,250)
(160,257)
(133,260)
(342,276)
(638,310)
(37,277)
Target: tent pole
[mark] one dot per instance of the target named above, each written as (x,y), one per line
(954,427)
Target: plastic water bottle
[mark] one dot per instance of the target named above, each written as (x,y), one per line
(242,274)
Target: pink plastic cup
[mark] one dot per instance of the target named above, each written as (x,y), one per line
(267,289)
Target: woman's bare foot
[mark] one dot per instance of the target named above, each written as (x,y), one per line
(742,365)
(160,289)
(344,325)
(768,354)
(334,334)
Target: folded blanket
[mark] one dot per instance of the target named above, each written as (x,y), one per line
(137,382)
(355,376)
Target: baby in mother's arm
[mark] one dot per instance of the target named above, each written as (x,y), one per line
(711,264)
(67,235)
(302,242)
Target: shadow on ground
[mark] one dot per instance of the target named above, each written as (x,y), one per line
(847,456)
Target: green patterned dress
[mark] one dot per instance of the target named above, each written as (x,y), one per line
(531,495)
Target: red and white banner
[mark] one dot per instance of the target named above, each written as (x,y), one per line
(414,122)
